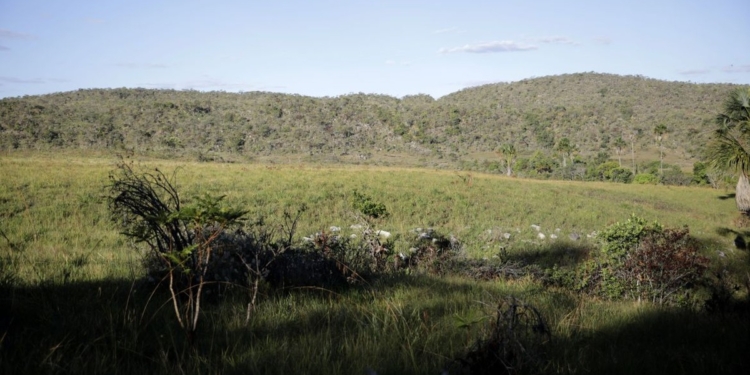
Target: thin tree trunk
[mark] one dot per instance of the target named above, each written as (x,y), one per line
(742,195)
(508,170)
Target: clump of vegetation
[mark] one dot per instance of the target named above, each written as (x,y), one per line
(368,206)
(513,344)
(181,239)
(642,260)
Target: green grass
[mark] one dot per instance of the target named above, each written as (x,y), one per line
(77,305)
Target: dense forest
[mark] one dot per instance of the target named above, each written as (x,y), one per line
(597,117)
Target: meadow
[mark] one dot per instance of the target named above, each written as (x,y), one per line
(73,297)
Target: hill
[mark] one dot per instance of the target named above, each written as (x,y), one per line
(590,109)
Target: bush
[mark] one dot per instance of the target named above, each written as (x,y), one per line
(368,206)
(665,264)
(641,260)
(645,179)
(515,342)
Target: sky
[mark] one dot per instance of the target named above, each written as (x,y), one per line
(339,47)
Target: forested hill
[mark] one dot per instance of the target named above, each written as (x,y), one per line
(590,109)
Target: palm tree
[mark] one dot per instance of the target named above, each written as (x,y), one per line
(659,131)
(730,146)
(508,151)
(566,148)
(619,145)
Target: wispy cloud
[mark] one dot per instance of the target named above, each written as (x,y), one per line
(20,80)
(9,34)
(694,72)
(491,47)
(602,40)
(555,40)
(452,30)
(4,48)
(736,69)
(131,65)
(95,21)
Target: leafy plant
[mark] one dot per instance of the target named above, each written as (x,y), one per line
(149,209)
(368,206)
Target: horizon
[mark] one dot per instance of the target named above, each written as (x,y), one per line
(333,48)
(372,93)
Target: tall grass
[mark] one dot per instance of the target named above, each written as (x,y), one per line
(77,304)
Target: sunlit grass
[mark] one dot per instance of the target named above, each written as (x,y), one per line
(73,299)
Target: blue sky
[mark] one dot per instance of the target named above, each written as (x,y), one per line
(337,47)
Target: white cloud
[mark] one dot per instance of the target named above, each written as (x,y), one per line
(491,47)
(603,40)
(736,69)
(694,71)
(555,40)
(4,48)
(95,21)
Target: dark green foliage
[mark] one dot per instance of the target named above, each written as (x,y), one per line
(700,174)
(619,238)
(368,206)
(610,171)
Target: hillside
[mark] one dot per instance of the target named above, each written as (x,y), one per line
(590,109)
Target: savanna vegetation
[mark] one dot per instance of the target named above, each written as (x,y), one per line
(277,234)
(573,126)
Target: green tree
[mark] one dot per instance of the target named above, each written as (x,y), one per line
(730,145)
(509,153)
(659,132)
(566,148)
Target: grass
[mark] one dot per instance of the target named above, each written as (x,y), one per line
(73,301)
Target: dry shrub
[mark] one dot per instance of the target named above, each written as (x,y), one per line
(665,264)
(514,344)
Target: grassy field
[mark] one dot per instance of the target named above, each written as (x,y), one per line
(73,300)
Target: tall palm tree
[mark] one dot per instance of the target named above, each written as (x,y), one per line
(619,145)
(730,146)
(659,131)
(566,148)
(508,152)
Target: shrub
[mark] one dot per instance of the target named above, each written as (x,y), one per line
(642,260)
(619,238)
(514,343)
(664,264)
(182,239)
(645,179)
(368,206)
(428,250)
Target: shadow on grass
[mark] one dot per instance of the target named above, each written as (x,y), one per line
(659,341)
(561,253)
(727,196)
(405,324)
